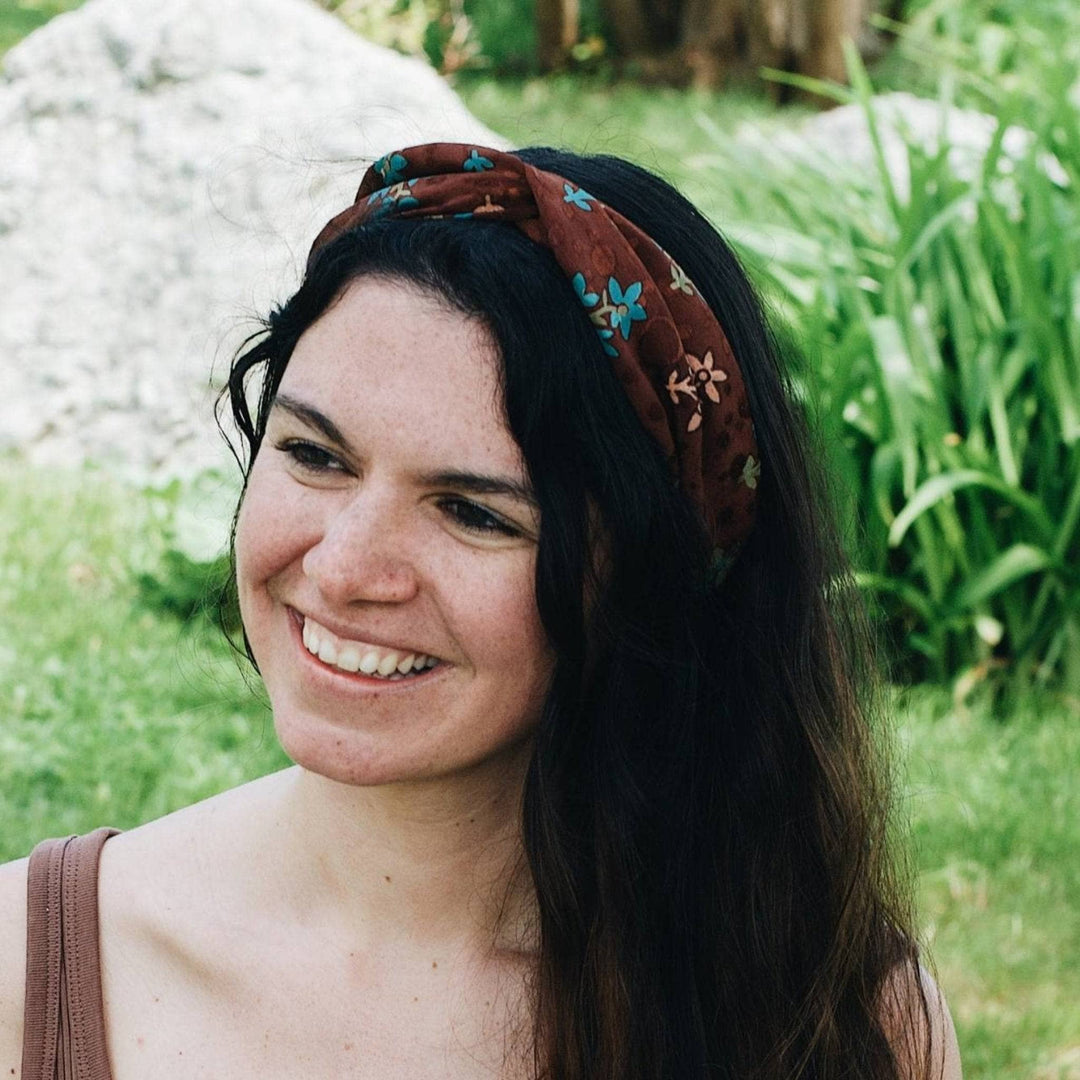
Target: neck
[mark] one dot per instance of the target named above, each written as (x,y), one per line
(435,865)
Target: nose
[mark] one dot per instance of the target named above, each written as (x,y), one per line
(362,555)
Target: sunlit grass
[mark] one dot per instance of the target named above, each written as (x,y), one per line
(112,713)
(995,808)
(20,17)
(663,129)
(115,713)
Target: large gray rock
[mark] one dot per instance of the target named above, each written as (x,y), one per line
(164,165)
(840,139)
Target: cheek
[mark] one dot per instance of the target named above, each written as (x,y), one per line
(513,631)
(267,540)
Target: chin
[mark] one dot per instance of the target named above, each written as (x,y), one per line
(348,757)
(363,758)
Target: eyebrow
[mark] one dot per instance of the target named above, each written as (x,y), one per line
(473,483)
(313,418)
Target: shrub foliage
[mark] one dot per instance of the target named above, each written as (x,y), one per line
(939,322)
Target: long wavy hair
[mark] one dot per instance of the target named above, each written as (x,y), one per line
(706,815)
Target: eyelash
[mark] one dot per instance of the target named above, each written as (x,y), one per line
(492,524)
(314,459)
(308,456)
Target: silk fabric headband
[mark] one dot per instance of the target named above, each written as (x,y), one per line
(665,344)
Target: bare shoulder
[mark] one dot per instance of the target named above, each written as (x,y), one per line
(924,1038)
(12,965)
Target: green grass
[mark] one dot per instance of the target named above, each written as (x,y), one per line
(20,17)
(115,713)
(112,712)
(995,811)
(656,126)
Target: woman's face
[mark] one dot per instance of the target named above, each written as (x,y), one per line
(388,515)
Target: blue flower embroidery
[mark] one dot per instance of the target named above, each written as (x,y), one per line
(625,310)
(605,334)
(587,298)
(580,198)
(393,198)
(390,167)
(476,162)
(590,300)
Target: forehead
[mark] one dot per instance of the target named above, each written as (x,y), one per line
(388,362)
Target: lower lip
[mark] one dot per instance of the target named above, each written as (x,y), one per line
(358,679)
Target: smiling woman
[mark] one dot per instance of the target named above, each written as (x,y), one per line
(539,574)
(410,533)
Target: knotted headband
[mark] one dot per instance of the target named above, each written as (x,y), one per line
(666,346)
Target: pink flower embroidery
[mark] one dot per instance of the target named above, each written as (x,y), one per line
(702,371)
(489,207)
(676,386)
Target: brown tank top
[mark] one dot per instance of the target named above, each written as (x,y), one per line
(64,1033)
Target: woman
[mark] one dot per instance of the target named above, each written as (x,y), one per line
(533,562)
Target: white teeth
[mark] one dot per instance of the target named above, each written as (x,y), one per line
(349,658)
(353,656)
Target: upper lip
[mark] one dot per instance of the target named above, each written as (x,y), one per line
(352,634)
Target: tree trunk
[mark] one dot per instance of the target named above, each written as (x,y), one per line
(642,28)
(630,28)
(713,36)
(556,32)
(717,40)
(828,23)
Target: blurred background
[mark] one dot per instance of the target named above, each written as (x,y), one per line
(900,179)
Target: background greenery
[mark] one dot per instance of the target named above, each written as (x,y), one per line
(936,339)
(116,712)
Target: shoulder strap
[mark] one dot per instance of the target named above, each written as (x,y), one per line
(65,1022)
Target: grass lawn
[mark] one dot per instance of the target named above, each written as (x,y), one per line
(115,713)
(20,17)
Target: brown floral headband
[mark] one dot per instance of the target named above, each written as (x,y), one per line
(665,344)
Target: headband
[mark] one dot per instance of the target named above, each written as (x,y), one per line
(665,344)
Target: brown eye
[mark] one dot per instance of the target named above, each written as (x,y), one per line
(475,518)
(309,456)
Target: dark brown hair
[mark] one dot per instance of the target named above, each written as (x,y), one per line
(706,816)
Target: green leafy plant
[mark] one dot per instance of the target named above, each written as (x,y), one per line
(468,35)
(939,321)
(192,577)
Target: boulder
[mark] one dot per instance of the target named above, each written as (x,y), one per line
(164,166)
(840,139)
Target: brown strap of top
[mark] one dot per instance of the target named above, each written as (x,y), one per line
(64,1032)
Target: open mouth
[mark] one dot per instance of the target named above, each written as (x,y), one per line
(375,663)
